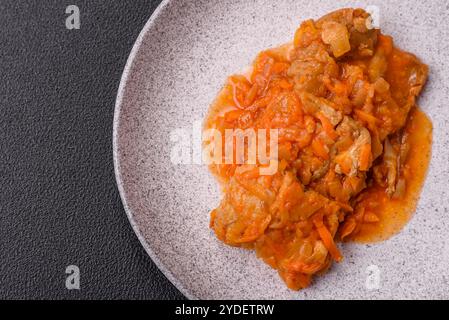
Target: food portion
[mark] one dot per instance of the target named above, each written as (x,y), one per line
(353,147)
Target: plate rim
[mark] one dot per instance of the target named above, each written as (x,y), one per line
(115,150)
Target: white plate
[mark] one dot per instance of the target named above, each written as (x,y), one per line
(177,66)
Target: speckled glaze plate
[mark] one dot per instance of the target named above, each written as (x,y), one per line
(177,66)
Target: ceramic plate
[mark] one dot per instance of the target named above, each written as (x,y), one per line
(178,65)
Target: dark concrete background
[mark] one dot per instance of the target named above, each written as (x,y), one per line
(59,203)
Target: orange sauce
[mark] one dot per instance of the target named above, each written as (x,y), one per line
(395,213)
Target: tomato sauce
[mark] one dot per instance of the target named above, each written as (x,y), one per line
(394,214)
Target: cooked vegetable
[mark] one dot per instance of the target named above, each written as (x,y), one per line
(341,96)
(337,36)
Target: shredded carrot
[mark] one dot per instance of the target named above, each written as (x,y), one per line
(251,95)
(262,102)
(284,84)
(259,65)
(366,117)
(235,95)
(365,157)
(282,165)
(280,67)
(319,149)
(345,162)
(327,126)
(230,169)
(340,88)
(327,238)
(253,231)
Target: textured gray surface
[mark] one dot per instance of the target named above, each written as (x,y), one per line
(58,201)
(183,58)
